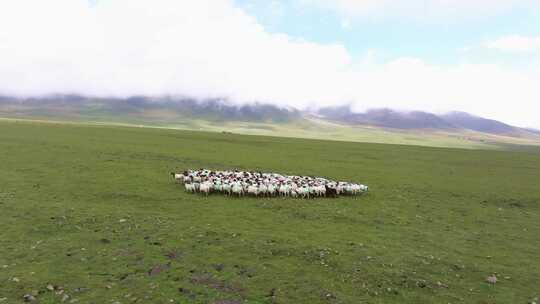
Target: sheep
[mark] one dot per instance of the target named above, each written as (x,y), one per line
(294,193)
(226,188)
(303,192)
(264,184)
(284,190)
(340,189)
(237,189)
(205,188)
(218,187)
(320,190)
(177,177)
(254,190)
(263,190)
(330,192)
(190,188)
(271,190)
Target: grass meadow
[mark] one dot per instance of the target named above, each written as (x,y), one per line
(92,213)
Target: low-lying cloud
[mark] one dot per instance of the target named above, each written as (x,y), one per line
(211,48)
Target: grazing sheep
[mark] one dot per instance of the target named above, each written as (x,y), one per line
(303,192)
(271,189)
(177,177)
(284,190)
(264,184)
(320,190)
(237,189)
(294,193)
(330,192)
(263,190)
(254,190)
(190,188)
(205,188)
(226,188)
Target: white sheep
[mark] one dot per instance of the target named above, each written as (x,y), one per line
(303,192)
(264,184)
(284,190)
(226,188)
(263,190)
(205,188)
(178,177)
(190,188)
(237,189)
(254,190)
(271,189)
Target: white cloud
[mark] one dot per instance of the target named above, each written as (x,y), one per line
(209,48)
(483,89)
(430,10)
(121,47)
(346,24)
(515,44)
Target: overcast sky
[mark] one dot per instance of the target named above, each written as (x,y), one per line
(479,56)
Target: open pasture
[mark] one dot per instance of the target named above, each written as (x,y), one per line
(92,213)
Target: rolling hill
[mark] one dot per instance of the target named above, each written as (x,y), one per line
(471,122)
(141,106)
(455,129)
(387,118)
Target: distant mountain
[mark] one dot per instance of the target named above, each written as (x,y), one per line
(167,110)
(535,131)
(213,109)
(207,109)
(387,118)
(456,121)
(467,121)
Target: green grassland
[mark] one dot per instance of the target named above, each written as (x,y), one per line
(93,209)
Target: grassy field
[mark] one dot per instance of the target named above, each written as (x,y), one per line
(93,211)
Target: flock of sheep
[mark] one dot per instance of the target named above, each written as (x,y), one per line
(240,183)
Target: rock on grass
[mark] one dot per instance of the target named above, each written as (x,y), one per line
(29,298)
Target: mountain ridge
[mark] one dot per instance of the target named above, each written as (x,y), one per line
(171,109)
(211,109)
(454,120)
